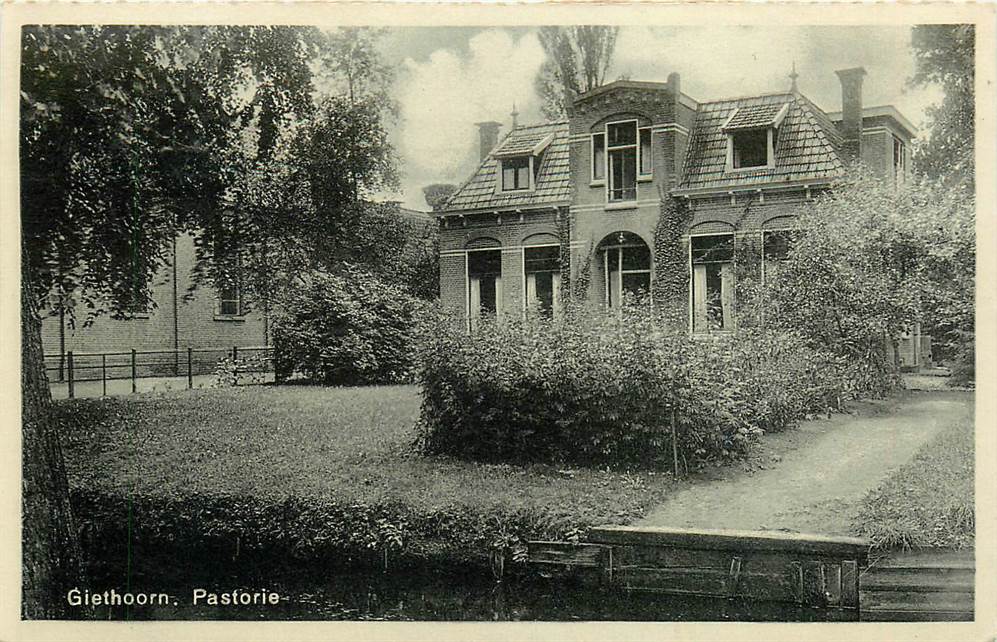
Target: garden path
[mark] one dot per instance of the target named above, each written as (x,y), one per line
(822,470)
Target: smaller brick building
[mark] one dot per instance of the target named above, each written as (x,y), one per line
(575,208)
(200,319)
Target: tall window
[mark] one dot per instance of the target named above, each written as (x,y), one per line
(626,268)
(622,152)
(230,300)
(598,158)
(515,173)
(645,152)
(542,267)
(712,282)
(899,160)
(484,283)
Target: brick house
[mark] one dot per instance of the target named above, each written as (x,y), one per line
(576,208)
(204,319)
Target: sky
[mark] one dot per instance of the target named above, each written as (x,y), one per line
(449,78)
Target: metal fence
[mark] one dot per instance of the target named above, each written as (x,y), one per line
(73,368)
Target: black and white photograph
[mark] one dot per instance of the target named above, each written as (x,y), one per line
(505,320)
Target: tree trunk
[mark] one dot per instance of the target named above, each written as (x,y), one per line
(50,552)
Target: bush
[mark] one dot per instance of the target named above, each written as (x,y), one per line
(347,329)
(601,389)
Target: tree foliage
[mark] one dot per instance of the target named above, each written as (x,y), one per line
(945,54)
(869,260)
(578,59)
(436,195)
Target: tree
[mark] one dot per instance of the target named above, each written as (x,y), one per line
(130,135)
(436,195)
(869,260)
(578,59)
(945,54)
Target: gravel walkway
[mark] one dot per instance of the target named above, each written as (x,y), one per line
(822,470)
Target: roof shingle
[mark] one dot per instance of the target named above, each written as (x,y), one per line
(807,148)
(553,182)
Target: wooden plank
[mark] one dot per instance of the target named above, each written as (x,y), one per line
(915,616)
(849,584)
(566,554)
(931,558)
(913,600)
(730,540)
(923,580)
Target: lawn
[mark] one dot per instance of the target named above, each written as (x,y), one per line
(929,501)
(336,464)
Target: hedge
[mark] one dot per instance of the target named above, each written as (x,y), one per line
(601,389)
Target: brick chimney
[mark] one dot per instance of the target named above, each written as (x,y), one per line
(488,135)
(851,111)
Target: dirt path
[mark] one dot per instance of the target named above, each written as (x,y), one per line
(812,479)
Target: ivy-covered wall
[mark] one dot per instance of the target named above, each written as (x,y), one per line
(670,288)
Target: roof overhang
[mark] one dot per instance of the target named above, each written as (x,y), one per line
(888,111)
(706,192)
(515,209)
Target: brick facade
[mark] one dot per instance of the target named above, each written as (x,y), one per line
(688,144)
(196,323)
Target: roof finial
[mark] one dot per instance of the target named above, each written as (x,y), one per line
(793,76)
(515,115)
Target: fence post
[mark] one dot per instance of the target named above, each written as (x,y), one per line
(190,372)
(134,388)
(235,353)
(103,373)
(69,366)
(675,447)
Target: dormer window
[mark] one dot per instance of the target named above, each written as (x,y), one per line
(752,135)
(515,173)
(519,159)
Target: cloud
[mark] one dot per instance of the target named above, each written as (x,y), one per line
(443,96)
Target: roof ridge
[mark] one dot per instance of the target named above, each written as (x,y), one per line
(746,97)
(538,125)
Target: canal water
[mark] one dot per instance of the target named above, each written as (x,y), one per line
(412,593)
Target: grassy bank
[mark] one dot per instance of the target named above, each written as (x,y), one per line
(929,501)
(306,472)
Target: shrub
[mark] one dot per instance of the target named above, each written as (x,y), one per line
(348,328)
(599,388)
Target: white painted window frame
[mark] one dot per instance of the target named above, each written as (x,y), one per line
(500,186)
(522,258)
(620,271)
(636,145)
(692,312)
(467,281)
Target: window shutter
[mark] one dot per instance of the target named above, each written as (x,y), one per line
(727,294)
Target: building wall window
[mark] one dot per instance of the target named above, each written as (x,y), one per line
(542,273)
(750,148)
(646,157)
(598,158)
(899,161)
(230,300)
(484,284)
(626,263)
(515,173)
(712,262)
(622,152)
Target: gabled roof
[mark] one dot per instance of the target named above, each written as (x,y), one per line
(526,143)
(808,146)
(553,183)
(756,116)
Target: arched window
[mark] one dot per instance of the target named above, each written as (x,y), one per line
(626,267)
(484,279)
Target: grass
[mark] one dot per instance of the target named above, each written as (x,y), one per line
(929,501)
(320,447)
